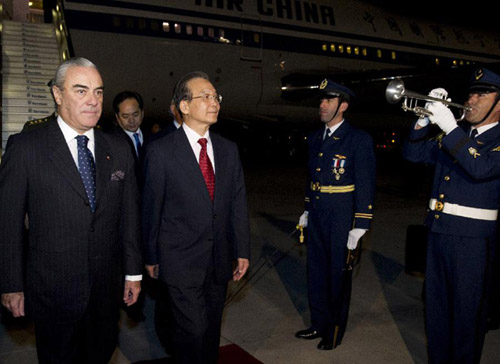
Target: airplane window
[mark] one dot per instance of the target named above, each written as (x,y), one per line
(341,48)
(166,27)
(256,37)
(199,31)
(189,29)
(177,28)
(141,23)
(221,33)
(324,47)
(356,51)
(211,32)
(129,22)
(332,47)
(365,52)
(349,50)
(379,53)
(155,26)
(393,55)
(116,21)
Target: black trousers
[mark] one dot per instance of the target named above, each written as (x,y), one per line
(90,340)
(198,315)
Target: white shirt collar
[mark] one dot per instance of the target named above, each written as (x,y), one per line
(335,127)
(70,133)
(487,127)
(193,136)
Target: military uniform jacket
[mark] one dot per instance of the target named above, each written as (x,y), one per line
(467,173)
(341,176)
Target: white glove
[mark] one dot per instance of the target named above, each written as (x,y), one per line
(442,117)
(303,219)
(354,236)
(423,121)
(438,93)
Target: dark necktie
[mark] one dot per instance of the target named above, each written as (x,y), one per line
(137,142)
(473,133)
(86,166)
(206,168)
(327,134)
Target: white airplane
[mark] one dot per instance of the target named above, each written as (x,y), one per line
(264,56)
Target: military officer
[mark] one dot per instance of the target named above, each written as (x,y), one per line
(338,211)
(462,218)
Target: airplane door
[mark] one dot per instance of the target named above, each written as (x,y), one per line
(251,39)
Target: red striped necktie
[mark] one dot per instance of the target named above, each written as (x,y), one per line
(206,168)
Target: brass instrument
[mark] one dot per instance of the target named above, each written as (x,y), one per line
(396,91)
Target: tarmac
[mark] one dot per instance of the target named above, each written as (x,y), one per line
(263,311)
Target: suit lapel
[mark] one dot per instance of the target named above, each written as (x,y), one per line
(62,159)
(187,160)
(220,167)
(103,163)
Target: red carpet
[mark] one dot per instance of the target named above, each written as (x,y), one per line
(229,354)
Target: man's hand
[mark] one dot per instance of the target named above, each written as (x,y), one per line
(241,269)
(14,302)
(442,117)
(153,270)
(303,219)
(131,292)
(354,236)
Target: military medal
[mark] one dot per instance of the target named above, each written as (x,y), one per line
(338,167)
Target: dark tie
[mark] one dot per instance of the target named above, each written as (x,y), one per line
(137,142)
(206,168)
(327,134)
(86,166)
(473,133)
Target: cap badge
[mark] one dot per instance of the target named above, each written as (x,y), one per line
(323,84)
(479,74)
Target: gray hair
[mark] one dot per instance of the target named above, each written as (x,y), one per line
(61,71)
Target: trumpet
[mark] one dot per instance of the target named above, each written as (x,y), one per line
(396,91)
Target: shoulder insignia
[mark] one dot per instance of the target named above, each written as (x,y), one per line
(339,156)
(497,149)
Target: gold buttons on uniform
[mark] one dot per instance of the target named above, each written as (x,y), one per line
(318,169)
(447,178)
(320,154)
(441,196)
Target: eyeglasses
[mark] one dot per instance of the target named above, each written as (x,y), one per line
(209,98)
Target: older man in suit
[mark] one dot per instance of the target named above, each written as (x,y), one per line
(77,187)
(195,219)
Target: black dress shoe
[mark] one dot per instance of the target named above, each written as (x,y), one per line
(307,334)
(326,343)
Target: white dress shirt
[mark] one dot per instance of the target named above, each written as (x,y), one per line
(484,128)
(193,138)
(131,136)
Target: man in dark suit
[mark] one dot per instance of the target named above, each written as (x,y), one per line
(128,107)
(195,227)
(77,188)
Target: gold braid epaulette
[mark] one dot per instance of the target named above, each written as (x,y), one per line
(439,138)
